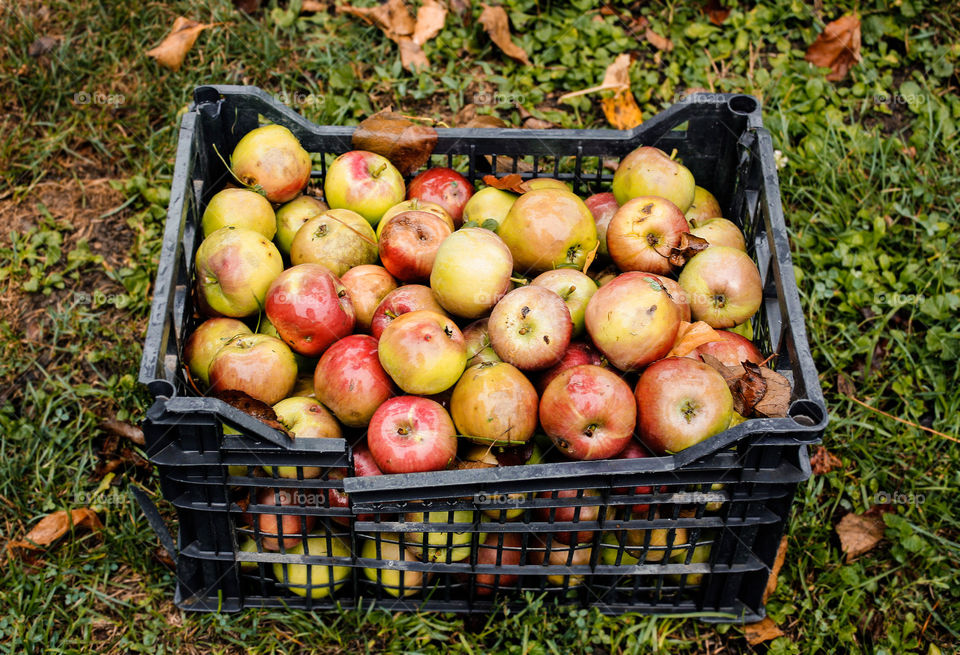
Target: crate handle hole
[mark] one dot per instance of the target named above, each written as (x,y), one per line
(743,104)
(806,413)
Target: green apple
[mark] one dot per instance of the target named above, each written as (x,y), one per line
(488,204)
(441,546)
(304,364)
(271,161)
(575,288)
(610,549)
(305,418)
(471,272)
(315,580)
(652,545)
(720,232)
(338,239)
(649,171)
(235,267)
(547,229)
(392,579)
(239,208)
(364,182)
(206,341)
(423,352)
(704,207)
(291,216)
(723,286)
(701,555)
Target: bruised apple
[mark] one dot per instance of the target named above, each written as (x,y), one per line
(408,298)
(603,206)
(445,187)
(350,381)
(530,328)
(261,366)
(471,272)
(206,341)
(732,349)
(235,267)
(494,403)
(643,233)
(574,288)
(239,208)
(648,171)
(548,228)
(723,286)
(271,161)
(424,352)
(367,286)
(338,239)
(364,182)
(292,215)
(409,244)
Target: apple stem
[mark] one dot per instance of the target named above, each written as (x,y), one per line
(389,313)
(520,280)
(673,154)
(383,167)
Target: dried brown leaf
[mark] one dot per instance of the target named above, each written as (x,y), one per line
(775,570)
(590,257)
(776,401)
(255,408)
(42,45)
(124,429)
(392,17)
(512,182)
(177,43)
(622,111)
(412,56)
(312,6)
(431,17)
(823,461)
(716,12)
(661,43)
(749,389)
(845,386)
(53,526)
(405,143)
(534,123)
(691,336)
(486,120)
(837,47)
(758,633)
(497,25)
(859,534)
(689,245)
(460,8)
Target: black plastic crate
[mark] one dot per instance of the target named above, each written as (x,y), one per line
(713,513)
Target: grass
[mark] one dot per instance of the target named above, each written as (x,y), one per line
(870,195)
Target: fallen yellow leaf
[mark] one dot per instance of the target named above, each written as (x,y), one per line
(177,43)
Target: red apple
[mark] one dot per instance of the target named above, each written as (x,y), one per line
(363,182)
(261,366)
(720,232)
(494,403)
(239,208)
(206,341)
(560,555)
(234,269)
(363,462)
(732,349)
(408,434)
(643,232)
(414,204)
(367,285)
(350,381)
(681,402)
(424,352)
(271,161)
(408,298)
(309,308)
(530,328)
(547,229)
(444,187)
(704,207)
(581,513)
(723,286)
(588,412)
(603,206)
(577,353)
(338,239)
(477,338)
(409,244)
(498,549)
(677,295)
(632,320)
(472,272)
(648,171)
(574,287)
(286,529)
(635,450)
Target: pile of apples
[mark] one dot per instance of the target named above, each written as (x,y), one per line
(449,327)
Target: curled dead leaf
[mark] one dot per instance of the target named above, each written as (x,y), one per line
(745,386)
(622,111)
(512,182)
(689,245)
(823,461)
(775,569)
(859,534)
(761,631)
(53,526)
(691,336)
(431,17)
(395,21)
(497,26)
(255,408)
(776,401)
(124,429)
(177,43)
(837,47)
(661,43)
(716,12)
(405,143)
(590,257)
(749,389)
(486,121)
(42,45)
